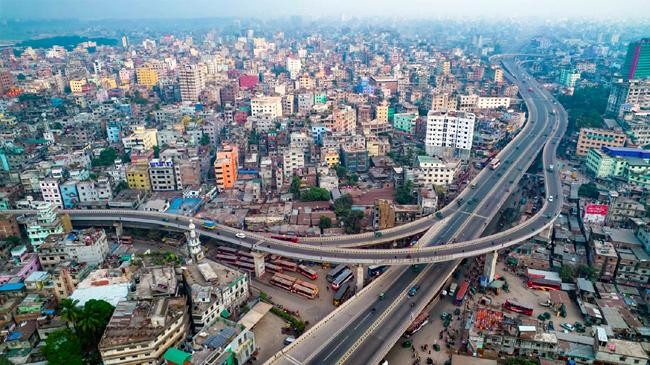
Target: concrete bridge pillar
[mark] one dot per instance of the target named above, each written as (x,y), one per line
(119,229)
(490,265)
(258,261)
(361,270)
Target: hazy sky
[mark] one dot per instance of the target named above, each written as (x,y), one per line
(97,9)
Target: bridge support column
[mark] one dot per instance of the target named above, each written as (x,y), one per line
(119,229)
(490,265)
(361,270)
(258,261)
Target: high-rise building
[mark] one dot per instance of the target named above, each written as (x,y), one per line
(191,82)
(630,93)
(381,112)
(568,77)
(270,106)
(293,66)
(146,76)
(637,60)
(498,75)
(449,132)
(344,119)
(292,158)
(596,138)
(225,167)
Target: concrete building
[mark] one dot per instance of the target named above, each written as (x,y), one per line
(429,171)
(8,226)
(637,128)
(449,133)
(637,60)
(88,246)
(604,259)
(162,174)
(344,120)
(51,192)
(45,223)
(140,332)
(146,76)
(270,106)
(191,82)
(137,177)
(225,166)
(492,102)
(405,122)
(628,94)
(293,66)
(215,291)
(292,158)
(141,139)
(629,164)
(354,155)
(596,138)
(223,342)
(569,77)
(381,112)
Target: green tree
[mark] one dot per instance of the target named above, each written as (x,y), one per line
(324,222)
(587,272)
(70,311)
(567,274)
(295,186)
(63,347)
(106,157)
(353,179)
(589,190)
(156,152)
(343,205)
(315,194)
(253,137)
(352,222)
(13,240)
(403,194)
(341,171)
(126,157)
(205,140)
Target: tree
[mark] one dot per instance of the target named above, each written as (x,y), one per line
(342,205)
(205,140)
(156,152)
(106,157)
(126,157)
(295,185)
(589,190)
(122,185)
(352,222)
(324,222)
(567,274)
(341,171)
(13,240)
(403,193)
(315,194)
(63,347)
(587,272)
(70,312)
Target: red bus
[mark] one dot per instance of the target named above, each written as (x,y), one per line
(246,266)
(286,265)
(305,289)
(307,272)
(226,258)
(544,284)
(227,250)
(515,306)
(286,238)
(245,254)
(273,268)
(461,293)
(127,240)
(420,321)
(283,281)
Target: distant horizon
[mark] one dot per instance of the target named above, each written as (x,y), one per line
(97,10)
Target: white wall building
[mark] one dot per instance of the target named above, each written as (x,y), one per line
(266,105)
(51,192)
(449,133)
(292,158)
(492,102)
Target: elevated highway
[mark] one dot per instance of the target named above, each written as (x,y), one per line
(364,329)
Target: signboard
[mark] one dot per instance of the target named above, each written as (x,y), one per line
(595,213)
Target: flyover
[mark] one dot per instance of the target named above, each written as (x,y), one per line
(363,329)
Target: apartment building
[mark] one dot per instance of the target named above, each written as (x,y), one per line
(141,139)
(292,158)
(162,174)
(270,106)
(449,133)
(429,171)
(225,166)
(344,120)
(191,81)
(137,177)
(633,93)
(596,138)
(146,76)
(492,102)
(51,192)
(88,246)
(604,259)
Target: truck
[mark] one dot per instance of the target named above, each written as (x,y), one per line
(452,289)
(207,224)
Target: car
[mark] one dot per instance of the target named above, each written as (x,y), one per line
(445,315)
(414,290)
(567,326)
(550,198)
(289,340)
(240,235)
(473,186)
(439,215)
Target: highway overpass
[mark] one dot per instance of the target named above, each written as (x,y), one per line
(363,329)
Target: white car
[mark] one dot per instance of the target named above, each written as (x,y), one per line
(240,235)
(550,198)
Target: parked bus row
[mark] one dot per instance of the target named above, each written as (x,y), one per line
(344,293)
(291,284)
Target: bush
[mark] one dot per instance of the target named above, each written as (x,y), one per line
(296,324)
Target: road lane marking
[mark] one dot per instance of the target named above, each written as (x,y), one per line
(362,320)
(336,348)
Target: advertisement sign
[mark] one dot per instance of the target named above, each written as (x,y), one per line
(595,213)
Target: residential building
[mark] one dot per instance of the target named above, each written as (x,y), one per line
(292,158)
(627,95)
(449,133)
(88,246)
(146,76)
(191,82)
(381,113)
(637,128)
(596,138)
(569,77)
(429,171)
(51,192)
(215,291)
(270,106)
(162,174)
(293,66)
(77,86)
(604,259)
(630,164)
(137,177)
(69,194)
(492,102)
(223,342)
(142,139)
(354,155)
(45,223)
(405,122)
(498,75)
(344,120)
(637,60)
(140,332)
(226,165)
(617,352)
(8,226)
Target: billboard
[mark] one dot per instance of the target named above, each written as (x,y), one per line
(595,213)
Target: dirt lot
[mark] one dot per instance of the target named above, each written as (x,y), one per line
(268,337)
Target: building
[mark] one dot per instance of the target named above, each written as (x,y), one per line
(344,120)
(354,155)
(628,94)
(88,246)
(269,106)
(162,174)
(226,165)
(429,171)
(498,75)
(141,139)
(140,332)
(381,113)
(492,102)
(637,129)
(293,66)
(78,86)
(146,76)
(45,223)
(137,177)
(637,60)
(617,352)
(604,259)
(292,158)
(223,342)
(8,226)
(386,214)
(629,164)
(191,82)
(405,122)
(569,77)
(449,133)
(51,192)
(215,291)
(596,138)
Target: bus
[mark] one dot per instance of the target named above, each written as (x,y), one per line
(515,306)
(226,257)
(495,163)
(461,293)
(376,270)
(273,268)
(307,272)
(227,250)
(420,321)
(126,240)
(305,289)
(285,238)
(344,277)
(283,281)
(211,225)
(246,266)
(335,272)
(287,265)
(342,294)
(241,253)
(544,284)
